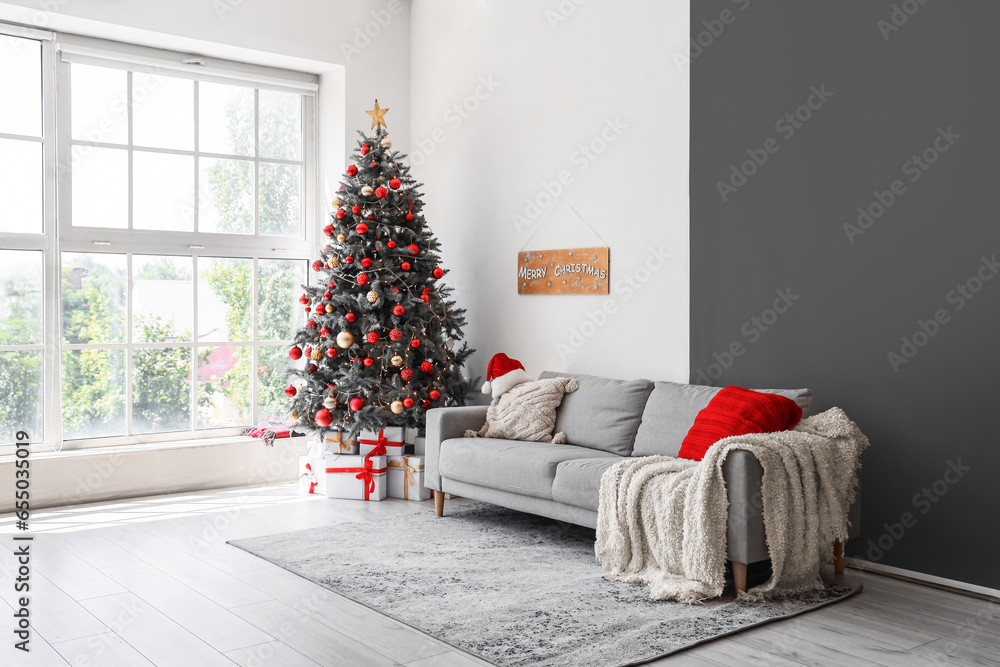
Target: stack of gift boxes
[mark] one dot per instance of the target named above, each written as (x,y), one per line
(384,463)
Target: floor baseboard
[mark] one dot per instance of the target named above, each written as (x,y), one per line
(951,585)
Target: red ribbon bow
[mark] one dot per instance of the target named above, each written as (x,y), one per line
(380,449)
(366,475)
(313,481)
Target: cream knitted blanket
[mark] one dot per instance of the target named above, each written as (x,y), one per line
(662,521)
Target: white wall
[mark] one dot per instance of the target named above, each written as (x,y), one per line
(564,70)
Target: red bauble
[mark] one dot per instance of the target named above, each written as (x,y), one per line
(371,217)
(396,334)
(352,171)
(355,209)
(395,183)
(331,352)
(311,324)
(324,332)
(357,404)
(426,366)
(405,266)
(408,402)
(396,290)
(324,418)
(425,298)
(425,403)
(340,214)
(362,228)
(409,217)
(374,164)
(308,352)
(364,149)
(398,310)
(362,279)
(312,368)
(438,272)
(415,343)
(295,353)
(330,284)
(308,309)
(349,260)
(290,391)
(391,244)
(328,230)
(317,265)
(372,337)
(351,317)
(328,295)
(303,299)
(413,249)
(406,374)
(434,394)
(365,263)
(368,361)
(381,192)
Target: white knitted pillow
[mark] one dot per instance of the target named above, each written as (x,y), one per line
(527,412)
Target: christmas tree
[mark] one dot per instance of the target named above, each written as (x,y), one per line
(380,344)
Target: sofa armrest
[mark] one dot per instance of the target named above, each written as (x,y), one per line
(444,424)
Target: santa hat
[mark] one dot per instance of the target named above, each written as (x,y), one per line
(502,374)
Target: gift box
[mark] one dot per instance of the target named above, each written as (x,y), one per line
(420,445)
(388,441)
(311,476)
(406,478)
(337,443)
(355,477)
(411,435)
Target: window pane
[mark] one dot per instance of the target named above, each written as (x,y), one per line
(20,298)
(280,125)
(225,196)
(223,386)
(93,390)
(279,285)
(272,378)
(279,200)
(161,390)
(162,299)
(99,100)
(225,119)
(163,192)
(21,388)
(224,308)
(93,298)
(162,111)
(100,187)
(20,185)
(21,83)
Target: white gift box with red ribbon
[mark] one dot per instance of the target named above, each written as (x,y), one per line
(406,478)
(388,441)
(355,477)
(311,477)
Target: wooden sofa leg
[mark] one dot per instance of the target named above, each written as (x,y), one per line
(438,503)
(838,557)
(740,576)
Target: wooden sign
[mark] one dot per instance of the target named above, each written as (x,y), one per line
(575,271)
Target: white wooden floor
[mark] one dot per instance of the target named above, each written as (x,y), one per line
(152,582)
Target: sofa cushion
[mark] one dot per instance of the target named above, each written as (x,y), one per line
(578,482)
(603,414)
(672,408)
(527,468)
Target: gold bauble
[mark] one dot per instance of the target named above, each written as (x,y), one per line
(372,297)
(396,360)
(329,403)
(386,142)
(336,202)
(334,262)
(396,407)
(294,416)
(329,307)
(341,238)
(316,355)
(345,339)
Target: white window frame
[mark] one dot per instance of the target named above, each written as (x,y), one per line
(60,236)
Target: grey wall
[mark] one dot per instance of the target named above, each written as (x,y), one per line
(851,302)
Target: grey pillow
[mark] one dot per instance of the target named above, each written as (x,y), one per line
(603,413)
(672,408)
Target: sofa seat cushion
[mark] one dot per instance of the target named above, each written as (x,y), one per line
(578,482)
(528,468)
(603,413)
(672,408)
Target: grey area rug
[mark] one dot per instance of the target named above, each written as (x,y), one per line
(514,589)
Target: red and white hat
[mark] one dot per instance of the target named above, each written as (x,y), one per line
(502,374)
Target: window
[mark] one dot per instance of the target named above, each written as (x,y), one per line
(159,300)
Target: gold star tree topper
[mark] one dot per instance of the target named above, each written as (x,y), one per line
(378,116)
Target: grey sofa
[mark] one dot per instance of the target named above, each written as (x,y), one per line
(604,420)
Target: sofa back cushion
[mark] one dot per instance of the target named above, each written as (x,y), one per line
(603,413)
(672,409)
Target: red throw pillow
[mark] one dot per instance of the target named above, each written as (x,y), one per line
(738,411)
